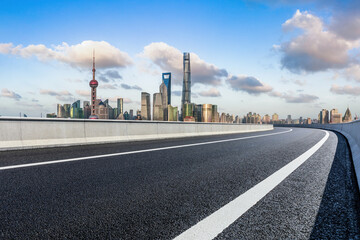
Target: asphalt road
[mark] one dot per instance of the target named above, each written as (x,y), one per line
(165,190)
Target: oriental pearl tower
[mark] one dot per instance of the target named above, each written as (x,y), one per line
(93,84)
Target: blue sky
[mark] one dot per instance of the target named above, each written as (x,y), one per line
(289,57)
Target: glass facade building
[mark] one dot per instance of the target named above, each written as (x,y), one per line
(172,113)
(198,112)
(188,110)
(206,113)
(145,106)
(120,106)
(166,78)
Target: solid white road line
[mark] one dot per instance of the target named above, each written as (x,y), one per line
(133,152)
(214,224)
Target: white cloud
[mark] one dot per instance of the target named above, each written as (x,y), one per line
(63,96)
(345,90)
(170,59)
(248,84)
(83,93)
(125,100)
(127,87)
(212,92)
(346,21)
(78,55)
(108,86)
(9,94)
(290,97)
(317,48)
(353,72)
(54,93)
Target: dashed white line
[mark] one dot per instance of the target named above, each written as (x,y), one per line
(134,152)
(214,224)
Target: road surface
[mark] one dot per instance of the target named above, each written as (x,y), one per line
(280,184)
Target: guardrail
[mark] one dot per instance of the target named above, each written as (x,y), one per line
(351,132)
(22,133)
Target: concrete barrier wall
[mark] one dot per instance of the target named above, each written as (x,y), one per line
(350,130)
(21,133)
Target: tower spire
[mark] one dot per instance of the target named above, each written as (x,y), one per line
(93,70)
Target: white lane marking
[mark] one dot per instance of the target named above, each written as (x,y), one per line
(133,152)
(214,224)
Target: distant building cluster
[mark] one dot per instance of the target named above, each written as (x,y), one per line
(162,110)
(326,117)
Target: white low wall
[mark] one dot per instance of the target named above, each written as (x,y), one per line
(352,133)
(21,133)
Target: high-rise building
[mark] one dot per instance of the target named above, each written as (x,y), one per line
(145,106)
(332,112)
(102,111)
(186,91)
(347,116)
(275,118)
(288,120)
(266,119)
(67,108)
(131,114)
(188,110)
(164,101)
(120,106)
(214,114)
(324,116)
(198,112)
(76,111)
(87,109)
(126,116)
(93,84)
(166,78)
(223,118)
(158,113)
(60,111)
(138,115)
(336,118)
(172,113)
(206,113)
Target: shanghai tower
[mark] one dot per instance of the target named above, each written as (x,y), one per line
(186,91)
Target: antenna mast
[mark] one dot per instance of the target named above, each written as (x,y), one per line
(93,70)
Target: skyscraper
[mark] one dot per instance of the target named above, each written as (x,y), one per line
(347,116)
(197,112)
(164,101)
(166,78)
(87,109)
(120,105)
(60,111)
(172,113)
(275,118)
(158,111)
(288,120)
(186,91)
(215,115)
(93,84)
(206,113)
(324,116)
(188,110)
(76,111)
(145,106)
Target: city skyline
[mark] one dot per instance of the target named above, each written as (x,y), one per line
(259,74)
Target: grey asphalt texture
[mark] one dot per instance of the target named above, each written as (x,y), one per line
(160,194)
